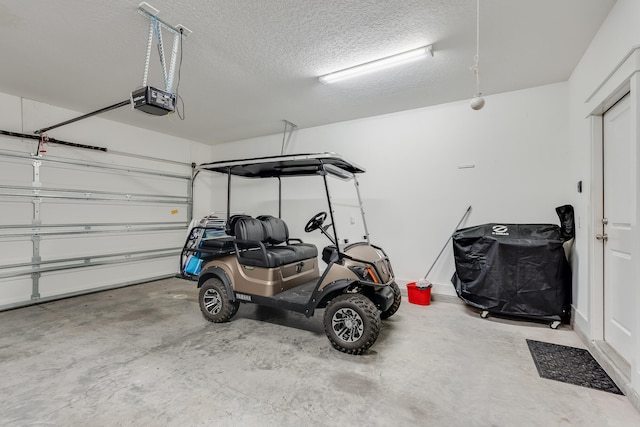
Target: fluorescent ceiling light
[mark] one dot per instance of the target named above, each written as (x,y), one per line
(378,64)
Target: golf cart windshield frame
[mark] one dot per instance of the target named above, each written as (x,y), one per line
(322,164)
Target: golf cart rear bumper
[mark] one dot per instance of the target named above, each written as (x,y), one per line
(383,298)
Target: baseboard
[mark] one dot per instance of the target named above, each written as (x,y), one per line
(578,320)
(439,292)
(619,372)
(452,299)
(444,290)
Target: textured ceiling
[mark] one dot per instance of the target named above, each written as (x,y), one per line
(249,64)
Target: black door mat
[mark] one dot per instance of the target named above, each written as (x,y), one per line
(570,365)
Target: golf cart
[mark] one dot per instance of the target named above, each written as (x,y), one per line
(245,259)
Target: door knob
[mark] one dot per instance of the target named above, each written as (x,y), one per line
(603,237)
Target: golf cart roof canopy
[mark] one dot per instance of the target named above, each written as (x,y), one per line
(286,165)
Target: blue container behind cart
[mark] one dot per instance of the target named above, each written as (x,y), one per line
(194,264)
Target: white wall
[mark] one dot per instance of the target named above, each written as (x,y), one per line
(414,192)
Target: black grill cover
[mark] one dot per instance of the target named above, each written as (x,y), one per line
(515,269)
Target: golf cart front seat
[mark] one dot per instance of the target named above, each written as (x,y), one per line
(278,233)
(250,235)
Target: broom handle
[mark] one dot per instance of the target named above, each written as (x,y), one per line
(447,242)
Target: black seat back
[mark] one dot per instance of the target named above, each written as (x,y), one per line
(230,226)
(247,228)
(278,233)
(251,235)
(277,230)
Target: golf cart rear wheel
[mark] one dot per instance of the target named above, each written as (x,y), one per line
(214,302)
(397,299)
(352,323)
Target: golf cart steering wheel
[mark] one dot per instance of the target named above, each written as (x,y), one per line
(315,222)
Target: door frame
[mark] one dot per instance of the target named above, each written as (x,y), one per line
(625,78)
(596,249)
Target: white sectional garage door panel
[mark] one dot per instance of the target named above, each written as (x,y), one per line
(83,225)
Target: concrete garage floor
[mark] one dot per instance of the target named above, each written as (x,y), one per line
(144,355)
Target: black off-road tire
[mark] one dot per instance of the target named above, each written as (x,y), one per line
(214,302)
(352,323)
(397,299)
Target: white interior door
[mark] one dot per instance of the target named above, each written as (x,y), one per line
(619,212)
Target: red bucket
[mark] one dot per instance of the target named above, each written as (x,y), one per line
(420,296)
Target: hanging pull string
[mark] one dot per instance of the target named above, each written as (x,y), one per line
(475,68)
(40,147)
(477,58)
(477,102)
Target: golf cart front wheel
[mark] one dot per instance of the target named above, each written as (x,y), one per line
(214,302)
(352,323)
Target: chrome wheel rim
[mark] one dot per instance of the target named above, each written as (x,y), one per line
(212,301)
(347,324)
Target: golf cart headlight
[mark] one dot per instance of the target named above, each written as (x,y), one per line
(359,271)
(365,273)
(371,274)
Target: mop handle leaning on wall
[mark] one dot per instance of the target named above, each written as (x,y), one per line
(447,242)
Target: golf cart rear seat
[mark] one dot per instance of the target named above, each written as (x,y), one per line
(250,237)
(220,243)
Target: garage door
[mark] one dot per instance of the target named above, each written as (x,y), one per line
(71,225)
